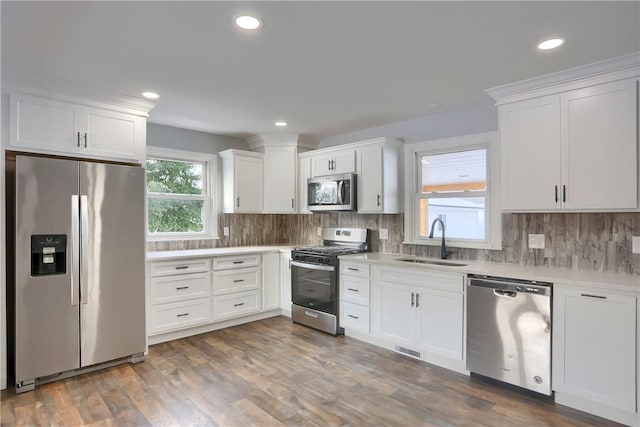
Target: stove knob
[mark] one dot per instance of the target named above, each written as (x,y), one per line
(325,260)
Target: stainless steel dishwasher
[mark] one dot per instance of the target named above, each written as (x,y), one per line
(509,331)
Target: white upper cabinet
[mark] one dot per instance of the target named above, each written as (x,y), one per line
(304,173)
(599,147)
(242,176)
(378,179)
(280,179)
(333,162)
(530,135)
(44,125)
(569,140)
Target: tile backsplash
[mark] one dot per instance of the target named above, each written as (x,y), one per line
(591,241)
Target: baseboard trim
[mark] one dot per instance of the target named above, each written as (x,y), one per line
(596,408)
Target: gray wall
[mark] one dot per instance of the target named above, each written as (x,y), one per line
(191,140)
(481,118)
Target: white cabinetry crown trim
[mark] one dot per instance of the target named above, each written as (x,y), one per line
(609,70)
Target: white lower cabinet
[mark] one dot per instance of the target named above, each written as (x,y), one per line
(237,304)
(187,296)
(420,313)
(594,352)
(354,297)
(285,283)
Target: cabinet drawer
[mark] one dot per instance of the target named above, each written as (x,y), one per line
(241,279)
(358,270)
(354,317)
(236,261)
(169,317)
(166,268)
(355,289)
(181,287)
(429,279)
(234,305)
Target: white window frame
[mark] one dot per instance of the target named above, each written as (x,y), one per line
(210,172)
(414,152)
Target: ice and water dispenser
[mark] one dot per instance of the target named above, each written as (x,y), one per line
(48,254)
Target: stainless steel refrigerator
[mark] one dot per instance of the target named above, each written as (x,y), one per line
(79,264)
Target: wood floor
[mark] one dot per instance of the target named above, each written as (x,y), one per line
(271,373)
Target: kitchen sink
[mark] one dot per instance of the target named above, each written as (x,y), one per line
(426,261)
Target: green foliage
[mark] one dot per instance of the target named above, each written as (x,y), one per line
(174,215)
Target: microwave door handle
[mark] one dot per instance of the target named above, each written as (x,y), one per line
(340,192)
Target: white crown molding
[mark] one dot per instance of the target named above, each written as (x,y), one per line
(85,96)
(353,145)
(280,140)
(609,70)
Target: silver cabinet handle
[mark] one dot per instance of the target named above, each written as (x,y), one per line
(182,315)
(556,192)
(238,281)
(75,248)
(78,139)
(412,299)
(180,288)
(238,305)
(85,140)
(417,300)
(593,296)
(353,290)
(353,317)
(238,202)
(292,203)
(379,199)
(238,262)
(353,269)
(329,164)
(182,267)
(84,249)
(564,193)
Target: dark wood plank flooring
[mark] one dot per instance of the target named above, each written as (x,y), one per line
(271,373)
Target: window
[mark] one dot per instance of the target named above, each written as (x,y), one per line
(179,195)
(452,180)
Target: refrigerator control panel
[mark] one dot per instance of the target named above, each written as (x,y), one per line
(48,254)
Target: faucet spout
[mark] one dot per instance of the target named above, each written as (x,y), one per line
(444,253)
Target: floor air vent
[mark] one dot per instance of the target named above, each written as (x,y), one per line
(409,352)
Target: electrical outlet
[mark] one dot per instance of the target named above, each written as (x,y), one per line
(384,234)
(536,241)
(319,231)
(225,231)
(635,244)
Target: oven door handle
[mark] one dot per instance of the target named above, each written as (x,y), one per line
(313,266)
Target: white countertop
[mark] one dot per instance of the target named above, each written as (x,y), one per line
(199,253)
(558,276)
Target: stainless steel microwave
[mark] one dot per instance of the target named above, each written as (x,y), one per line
(332,193)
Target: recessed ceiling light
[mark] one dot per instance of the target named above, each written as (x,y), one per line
(150,95)
(433,105)
(552,43)
(463,175)
(280,123)
(247,22)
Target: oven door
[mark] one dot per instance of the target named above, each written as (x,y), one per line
(314,286)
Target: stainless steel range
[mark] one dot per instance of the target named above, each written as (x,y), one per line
(314,277)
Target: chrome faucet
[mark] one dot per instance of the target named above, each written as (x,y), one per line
(444,252)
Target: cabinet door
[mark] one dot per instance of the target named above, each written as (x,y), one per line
(344,161)
(441,322)
(280,179)
(304,173)
(530,138)
(248,184)
(41,124)
(398,317)
(599,146)
(113,135)
(369,172)
(285,281)
(271,281)
(322,165)
(594,347)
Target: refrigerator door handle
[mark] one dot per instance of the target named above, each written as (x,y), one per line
(84,249)
(75,250)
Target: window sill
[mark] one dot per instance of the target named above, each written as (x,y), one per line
(181,237)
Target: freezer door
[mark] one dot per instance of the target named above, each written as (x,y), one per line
(112,262)
(46,305)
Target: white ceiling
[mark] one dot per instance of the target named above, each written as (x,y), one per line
(325,67)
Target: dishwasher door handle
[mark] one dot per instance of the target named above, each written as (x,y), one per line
(501,293)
